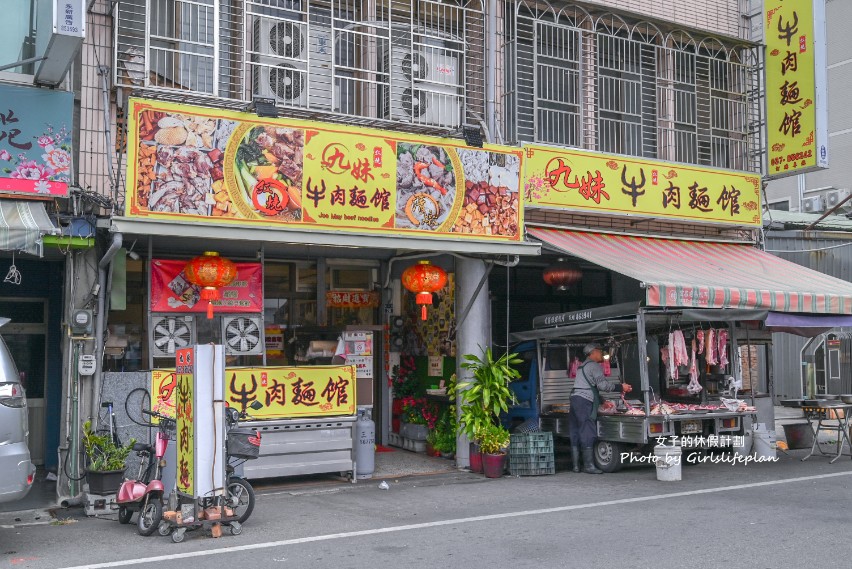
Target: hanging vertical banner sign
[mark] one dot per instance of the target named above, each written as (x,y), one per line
(796,108)
(184,396)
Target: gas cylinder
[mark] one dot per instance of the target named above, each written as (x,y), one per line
(365,444)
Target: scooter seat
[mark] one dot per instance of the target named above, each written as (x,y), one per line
(142,447)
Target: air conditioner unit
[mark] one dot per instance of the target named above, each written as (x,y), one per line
(815,204)
(170,332)
(242,335)
(425,84)
(834,197)
(291,62)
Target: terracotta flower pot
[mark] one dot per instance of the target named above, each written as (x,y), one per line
(493,464)
(475,458)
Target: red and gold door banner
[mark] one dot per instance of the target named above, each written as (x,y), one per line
(171,291)
(224,167)
(346,299)
(283,392)
(569,179)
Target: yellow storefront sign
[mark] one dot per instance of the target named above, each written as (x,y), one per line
(795,111)
(182,408)
(283,392)
(576,180)
(193,163)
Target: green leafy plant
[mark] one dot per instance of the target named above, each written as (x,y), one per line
(103,454)
(488,394)
(493,439)
(444,434)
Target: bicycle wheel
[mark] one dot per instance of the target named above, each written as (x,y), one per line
(138,400)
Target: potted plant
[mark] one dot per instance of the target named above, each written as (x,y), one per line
(486,396)
(418,417)
(404,383)
(106,460)
(493,441)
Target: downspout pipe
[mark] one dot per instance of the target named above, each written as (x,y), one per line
(100,319)
(491,69)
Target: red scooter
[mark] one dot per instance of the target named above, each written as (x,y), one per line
(145,493)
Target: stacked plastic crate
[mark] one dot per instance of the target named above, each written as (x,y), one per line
(531,454)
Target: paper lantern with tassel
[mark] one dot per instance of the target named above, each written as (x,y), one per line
(424,278)
(211,272)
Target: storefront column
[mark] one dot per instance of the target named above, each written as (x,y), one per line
(473,333)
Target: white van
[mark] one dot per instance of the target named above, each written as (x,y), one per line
(16,470)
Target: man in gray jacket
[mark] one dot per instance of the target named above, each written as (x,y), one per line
(582,419)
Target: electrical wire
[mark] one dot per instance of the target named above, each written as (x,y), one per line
(809,250)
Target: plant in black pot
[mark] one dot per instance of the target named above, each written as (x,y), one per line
(106,460)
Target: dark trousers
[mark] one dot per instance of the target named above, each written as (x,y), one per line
(582,429)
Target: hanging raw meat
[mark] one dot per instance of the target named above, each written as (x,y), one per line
(607,369)
(723,347)
(664,355)
(710,354)
(700,336)
(693,387)
(575,365)
(681,355)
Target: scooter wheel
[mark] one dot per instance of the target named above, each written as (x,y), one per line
(165,528)
(235,528)
(150,516)
(177,536)
(124,515)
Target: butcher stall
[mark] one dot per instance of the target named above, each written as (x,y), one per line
(700,375)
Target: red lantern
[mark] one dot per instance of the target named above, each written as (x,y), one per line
(211,272)
(423,279)
(562,275)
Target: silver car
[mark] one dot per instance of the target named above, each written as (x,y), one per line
(16,470)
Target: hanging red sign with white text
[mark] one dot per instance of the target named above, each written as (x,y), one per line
(171,291)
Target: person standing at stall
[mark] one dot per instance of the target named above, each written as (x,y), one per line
(585,399)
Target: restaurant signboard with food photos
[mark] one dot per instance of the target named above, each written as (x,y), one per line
(193,163)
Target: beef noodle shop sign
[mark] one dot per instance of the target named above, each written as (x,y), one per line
(190,163)
(558,178)
(283,392)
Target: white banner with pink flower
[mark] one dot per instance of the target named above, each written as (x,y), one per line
(35,141)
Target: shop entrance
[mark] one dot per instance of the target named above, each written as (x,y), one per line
(26,336)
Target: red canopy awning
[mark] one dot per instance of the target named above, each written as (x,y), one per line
(699,274)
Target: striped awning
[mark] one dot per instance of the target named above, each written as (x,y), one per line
(701,274)
(22,225)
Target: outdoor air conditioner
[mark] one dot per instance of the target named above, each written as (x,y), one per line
(291,62)
(834,197)
(815,204)
(425,83)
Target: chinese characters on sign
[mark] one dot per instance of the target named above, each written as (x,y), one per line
(284,392)
(172,292)
(35,140)
(344,299)
(302,175)
(795,68)
(578,180)
(180,388)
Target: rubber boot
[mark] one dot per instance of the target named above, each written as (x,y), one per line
(575,456)
(589,462)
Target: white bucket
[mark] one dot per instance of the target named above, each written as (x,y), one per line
(765,442)
(667,459)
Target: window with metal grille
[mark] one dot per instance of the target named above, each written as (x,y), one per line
(419,62)
(603,83)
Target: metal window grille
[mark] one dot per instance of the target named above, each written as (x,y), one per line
(415,62)
(600,82)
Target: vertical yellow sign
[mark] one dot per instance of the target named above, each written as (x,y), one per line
(795,113)
(185,381)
